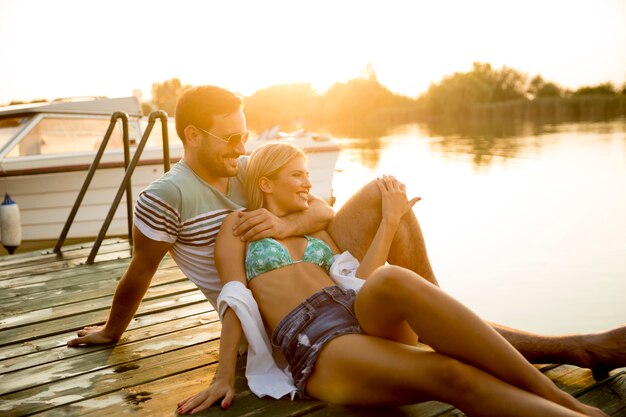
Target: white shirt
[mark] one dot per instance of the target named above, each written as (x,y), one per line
(264,376)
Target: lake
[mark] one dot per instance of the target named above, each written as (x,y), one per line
(527,228)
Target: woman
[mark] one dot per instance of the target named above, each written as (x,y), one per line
(360,348)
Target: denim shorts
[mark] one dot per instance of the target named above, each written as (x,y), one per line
(303,332)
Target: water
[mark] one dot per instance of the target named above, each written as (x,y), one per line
(528,230)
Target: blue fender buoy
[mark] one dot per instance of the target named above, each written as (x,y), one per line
(10,224)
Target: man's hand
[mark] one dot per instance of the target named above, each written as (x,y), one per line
(208,397)
(259,224)
(93,335)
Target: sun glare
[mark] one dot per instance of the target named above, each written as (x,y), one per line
(247,45)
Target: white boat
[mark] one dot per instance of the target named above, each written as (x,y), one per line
(46,150)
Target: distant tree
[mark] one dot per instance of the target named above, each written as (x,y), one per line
(600,89)
(509,84)
(146,108)
(285,104)
(356,101)
(455,95)
(359,98)
(165,94)
(540,88)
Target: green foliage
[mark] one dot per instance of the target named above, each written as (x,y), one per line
(345,105)
(538,88)
(600,89)
(456,95)
(286,104)
(358,98)
(165,94)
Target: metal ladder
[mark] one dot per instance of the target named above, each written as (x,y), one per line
(125,186)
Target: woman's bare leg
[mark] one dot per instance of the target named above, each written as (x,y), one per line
(366,370)
(353,231)
(393,297)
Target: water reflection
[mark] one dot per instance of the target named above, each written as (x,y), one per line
(485,142)
(366,151)
(535,238)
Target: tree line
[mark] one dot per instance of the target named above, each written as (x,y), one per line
(362,103)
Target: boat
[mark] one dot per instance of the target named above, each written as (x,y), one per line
(47,148)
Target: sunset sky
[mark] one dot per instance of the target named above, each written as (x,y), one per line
(64,48)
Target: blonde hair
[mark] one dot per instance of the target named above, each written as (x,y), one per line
(266,161)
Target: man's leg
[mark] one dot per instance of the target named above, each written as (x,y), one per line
(601,352)
(353,229)
(355,225)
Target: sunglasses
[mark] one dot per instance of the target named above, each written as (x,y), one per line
(233,139)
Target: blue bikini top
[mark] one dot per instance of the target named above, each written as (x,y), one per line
(267,254)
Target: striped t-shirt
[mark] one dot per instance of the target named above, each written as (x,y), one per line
(183,209)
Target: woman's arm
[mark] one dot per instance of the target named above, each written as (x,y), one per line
(229,258)
(394,205)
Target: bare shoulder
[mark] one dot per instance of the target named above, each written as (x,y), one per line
(226,229)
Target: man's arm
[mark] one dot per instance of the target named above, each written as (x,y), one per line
(259,224)
(147,255)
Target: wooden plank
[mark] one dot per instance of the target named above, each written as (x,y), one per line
(58,279)
(47,257)
(26,256)
(160,398)
(54,263)
(40,281)
(40,269)
(43,344)
(609,395)
(107,380)
(92,318)
(9,320)
(74,294)
(44,277)
(117,356)
(33,284)
(571,379)
(62,352)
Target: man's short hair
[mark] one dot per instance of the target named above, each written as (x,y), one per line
(197,106)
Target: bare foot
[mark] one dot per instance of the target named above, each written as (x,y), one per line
(604,351)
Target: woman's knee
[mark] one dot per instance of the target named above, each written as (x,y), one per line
(391,280)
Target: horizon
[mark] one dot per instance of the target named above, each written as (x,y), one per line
(246,46)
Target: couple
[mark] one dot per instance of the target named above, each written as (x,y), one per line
(183,211)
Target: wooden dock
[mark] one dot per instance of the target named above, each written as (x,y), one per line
(169,351)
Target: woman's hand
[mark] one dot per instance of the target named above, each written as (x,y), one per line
(206,398)
(395,203)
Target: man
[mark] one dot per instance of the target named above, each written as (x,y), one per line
(182,212)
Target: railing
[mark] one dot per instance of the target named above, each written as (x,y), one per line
(125,186)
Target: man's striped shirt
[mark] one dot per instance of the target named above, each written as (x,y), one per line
(183,209)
